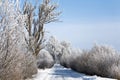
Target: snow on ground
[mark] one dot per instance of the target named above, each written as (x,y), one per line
(60,73)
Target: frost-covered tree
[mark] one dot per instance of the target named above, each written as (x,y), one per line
(54,47)
(10,38)
(35,23)
(61,51)
(12,42)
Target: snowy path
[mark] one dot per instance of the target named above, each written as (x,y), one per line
(60,73)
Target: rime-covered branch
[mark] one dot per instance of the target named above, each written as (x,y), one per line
(35,23)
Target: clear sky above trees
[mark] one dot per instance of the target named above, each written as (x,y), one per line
(88,21)
(85,22)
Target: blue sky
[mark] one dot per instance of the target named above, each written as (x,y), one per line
(86,22)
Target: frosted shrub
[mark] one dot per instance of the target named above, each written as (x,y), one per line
(44,59)
(100,60)
(68,54)
(29,65)
(16,65)
(10,65)
(68,57)
(114,70)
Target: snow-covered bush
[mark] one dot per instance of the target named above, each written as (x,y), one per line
(100,60)
(44,59)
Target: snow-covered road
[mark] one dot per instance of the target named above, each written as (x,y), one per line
(60,73)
